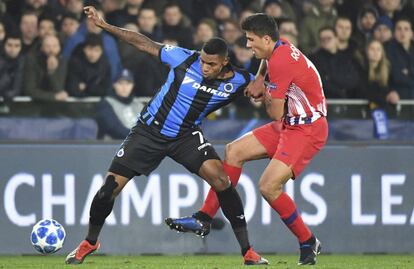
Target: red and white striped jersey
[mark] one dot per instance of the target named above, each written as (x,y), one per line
(292,76)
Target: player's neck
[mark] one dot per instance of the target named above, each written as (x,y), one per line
(225,73)
(270,49)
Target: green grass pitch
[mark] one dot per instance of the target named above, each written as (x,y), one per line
(208,262)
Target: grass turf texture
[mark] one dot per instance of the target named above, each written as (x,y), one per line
(208,262)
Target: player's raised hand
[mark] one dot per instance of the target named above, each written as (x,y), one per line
(93,15)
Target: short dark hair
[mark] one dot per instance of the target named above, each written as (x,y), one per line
(261,24)
(327,28)
(217,46)
(93,40)
(402,18)
(15,34)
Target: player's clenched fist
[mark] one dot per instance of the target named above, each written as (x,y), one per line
(93,15)
(256,88)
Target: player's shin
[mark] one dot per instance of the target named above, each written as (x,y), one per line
(286,208)
(101,207)
(232,207)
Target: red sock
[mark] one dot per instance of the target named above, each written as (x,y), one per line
(211,204)
(287,211)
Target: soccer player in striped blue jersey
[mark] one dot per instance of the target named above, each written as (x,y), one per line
(197,84)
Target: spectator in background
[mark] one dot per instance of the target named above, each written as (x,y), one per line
(343,30)
(89,72)
(109,6)
(400,52)
(230,32)
(45,72)
(246,13)
(288,30)
(205,30)
(69,26)
(323,14)
(117,113)
(142,65)
(126,15)
(46,27)
(109,44)
(41,8)
(339,72)
(243,56)
(147,23)
(29,30)
(382,30)
(279,9)
(75,7)
(389,8)
(222,12)
(366,20)
(11,67)
(376,73)
(176,26)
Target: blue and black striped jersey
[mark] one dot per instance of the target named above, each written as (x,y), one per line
(187,97)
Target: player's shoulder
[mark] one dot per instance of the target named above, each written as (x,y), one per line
(241,74)
(285,54)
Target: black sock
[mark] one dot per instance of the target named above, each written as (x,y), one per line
(232,207)
(200,215)
(93,233)
(100,209)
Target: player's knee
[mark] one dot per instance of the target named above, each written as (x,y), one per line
(232,154)
(108,190)
(269,190)
(220,183)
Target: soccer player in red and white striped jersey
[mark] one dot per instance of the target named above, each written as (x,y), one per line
(294,99)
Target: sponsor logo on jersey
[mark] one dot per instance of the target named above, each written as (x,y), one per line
(213,91)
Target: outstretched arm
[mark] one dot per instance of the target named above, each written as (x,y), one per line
(137,40)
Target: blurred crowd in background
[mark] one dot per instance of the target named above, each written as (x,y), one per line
(50,51)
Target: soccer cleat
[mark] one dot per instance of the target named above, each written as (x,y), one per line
(308,253)
(79,254)
(252,258)
(189,224)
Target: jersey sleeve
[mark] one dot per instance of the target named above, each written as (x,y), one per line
(173,55)
(280,71)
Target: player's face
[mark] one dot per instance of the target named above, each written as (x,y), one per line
(258,45)
(212,64)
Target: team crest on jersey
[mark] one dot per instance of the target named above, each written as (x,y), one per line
(228,87)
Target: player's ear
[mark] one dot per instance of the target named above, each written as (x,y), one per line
(226,60)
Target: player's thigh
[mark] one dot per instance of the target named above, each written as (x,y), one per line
(268,137)
(142,151)
(299,144)
(276,174)
(192,150)
(245,148)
